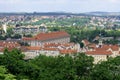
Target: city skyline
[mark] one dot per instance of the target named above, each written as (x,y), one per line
(77,6)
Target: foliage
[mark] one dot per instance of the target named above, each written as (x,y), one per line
(68,67)
(78,34)
(107,70)
(4,75)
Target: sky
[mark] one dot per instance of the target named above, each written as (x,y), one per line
(74,6)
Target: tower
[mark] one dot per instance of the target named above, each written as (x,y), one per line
(100,42)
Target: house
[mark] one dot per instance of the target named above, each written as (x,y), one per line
(100,52)
(49,49)
(30,52)
(9,45)
(99,55)
(26,29)
(52,37)
(85,42)
(30,29)
(115,50)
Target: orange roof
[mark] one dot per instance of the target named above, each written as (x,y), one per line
(86,42)
(26,38)
(9,45)
(101,49)
(48,36)
(50,49)
(106,47)
(68,44)
(1,49)
(92,46)
(115,47)
(68,51)
(99,52)
(33,48)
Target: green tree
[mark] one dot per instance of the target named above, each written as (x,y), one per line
(107,70)
(4,75)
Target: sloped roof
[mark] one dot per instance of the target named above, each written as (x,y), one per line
(99,52)
(9,44)
(86,42)
(33,48)
(67,51)
(106,47)
(48,36)
(115,47)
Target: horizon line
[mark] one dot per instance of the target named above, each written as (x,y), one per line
(62,12)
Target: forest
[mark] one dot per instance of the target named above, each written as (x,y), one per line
(13,66)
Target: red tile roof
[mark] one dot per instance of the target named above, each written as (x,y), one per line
(48,36)
(1,49)
(115,47)
(99,52)
(86,42)
(33,48)
(68,51)
(50,49)
(9,45)
(106,47)
(92,46)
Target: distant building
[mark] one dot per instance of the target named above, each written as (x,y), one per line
(50,49)
(100,52)
(52,37)
(30,29)
(103,52)
(9,45)
(103,38)
(99,55)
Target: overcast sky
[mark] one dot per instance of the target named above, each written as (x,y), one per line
(75,6)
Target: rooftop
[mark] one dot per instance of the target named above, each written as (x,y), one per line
(99,52)
(48,36)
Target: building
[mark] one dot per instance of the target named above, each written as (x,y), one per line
(9,45)
(99,55)
(102,52)
(50,49)
(30,29)
(52,37)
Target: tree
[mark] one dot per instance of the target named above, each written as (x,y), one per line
(4,75)
(63,67)
(107,70)
(76,66)
(9,32)
(13,61)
